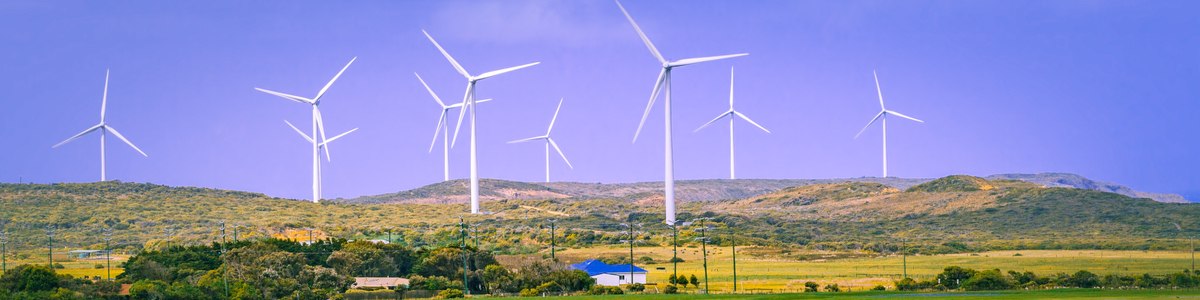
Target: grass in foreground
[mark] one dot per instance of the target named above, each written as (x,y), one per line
(990,295)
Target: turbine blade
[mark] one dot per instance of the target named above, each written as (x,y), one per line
(641,34)
(123,139)
(441,122)
(330,140)
(904,116)
(878,90)
(528,139)
(860,132)
(744,117)
(321,131)
(457,67)
(505,70)
(302,134)
(560,153)
(731,88)
(653,95)
(462,112)
(335,78)
(688,61)
(714,120)
(286,96)
(104,99)
(560,102)
(431,93)
(84,132)
(457,105)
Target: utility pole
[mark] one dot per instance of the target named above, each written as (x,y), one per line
(674,250)
(631,239)
(904,255)
(310,237)
(552,241)
(235,232)
(704,249)
(733,244)
(167,232)
(463,230)
(3,250)
(50,234)
(224,274)
(108,250)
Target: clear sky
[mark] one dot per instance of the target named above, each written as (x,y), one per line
(1105,89)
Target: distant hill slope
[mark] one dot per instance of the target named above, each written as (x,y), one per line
(1080,182)
(456,191)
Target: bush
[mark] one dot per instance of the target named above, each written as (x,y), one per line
(879,288)
(605,290)
(530,292)
(636,287)
(450,293)
(99,266)
(1084,279)
(29,278)
(59,266)
(676,260)
(671,289)
(987,281)
(832,287)
(810,287)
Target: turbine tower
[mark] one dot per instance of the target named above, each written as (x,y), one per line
(318,140)
(469,103)
(549,142)
(663,83)
(443,127)
(731,113)
(882,117)
(104,128)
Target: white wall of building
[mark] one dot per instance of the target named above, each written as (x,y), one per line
(615,279)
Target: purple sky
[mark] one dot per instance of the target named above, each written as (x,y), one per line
(1105,89)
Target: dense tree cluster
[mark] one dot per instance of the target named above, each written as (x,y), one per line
(955,277)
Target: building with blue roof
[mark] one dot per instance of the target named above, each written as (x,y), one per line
(611,275)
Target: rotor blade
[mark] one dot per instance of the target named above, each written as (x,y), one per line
(653,95)
(441,121)
(560,153)
(860,132)
(330,140)
(904,116)
(730,88)
(302,134)
(335,78)
(123,139)
(555,118)
(72,138)
(457,105)
(528,139)
(457,67)
(641,34)
(878,90)
(286,96)
(104,99)
(431,93)
(714,120)
(462,112)
(321,131)
(751,121)
(688,61)
(505,70)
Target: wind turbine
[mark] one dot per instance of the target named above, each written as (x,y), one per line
(318,140)
(664,84)
(549,142)
(882,116)
(731,113)
(443,127)
(469,103)
(104,128)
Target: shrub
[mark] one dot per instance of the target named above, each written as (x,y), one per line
(810,287)
(987,281)
(832,287)
(605,290)
(1084,279)
(99,266)
(671,289)
(530,292)
(636,287)
(59,266)
(879,288)
(29,278)
(676,260)
(450,293)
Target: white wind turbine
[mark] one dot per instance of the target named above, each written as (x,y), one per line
(318,140)
(549,142)
(443,127)
(469,103)
(104,128)
(664,84)
(882,115)
(731,113)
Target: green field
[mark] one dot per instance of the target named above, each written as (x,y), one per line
(998,295)
(763,269)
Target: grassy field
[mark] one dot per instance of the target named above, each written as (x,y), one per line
(770,270)
(999,295)
(72,266)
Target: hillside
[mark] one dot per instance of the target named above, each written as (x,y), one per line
(948,214)
(1080,182)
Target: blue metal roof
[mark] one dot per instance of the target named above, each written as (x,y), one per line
(595,267)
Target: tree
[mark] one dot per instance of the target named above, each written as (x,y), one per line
(811,287)
(986,281)
(953,276)
(833,287)
(148,289)
(29,278)
(1084,279)
(695,281)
